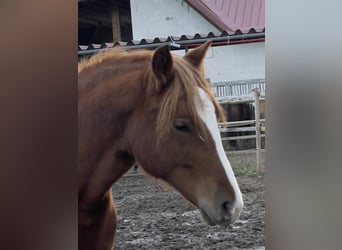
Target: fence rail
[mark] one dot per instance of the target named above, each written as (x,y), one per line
(238,90)
(238,126)
(239,123)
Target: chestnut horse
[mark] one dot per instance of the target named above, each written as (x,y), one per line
(156,110)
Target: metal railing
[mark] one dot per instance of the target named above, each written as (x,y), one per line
(243,89)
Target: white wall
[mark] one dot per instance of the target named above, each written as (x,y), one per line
(223,63)
(163,18)
(234,62)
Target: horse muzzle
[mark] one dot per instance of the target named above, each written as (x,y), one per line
(222,214)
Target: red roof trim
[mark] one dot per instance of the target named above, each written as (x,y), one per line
(209,15)
(232,15)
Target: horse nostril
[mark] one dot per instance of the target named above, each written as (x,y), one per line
(226,206)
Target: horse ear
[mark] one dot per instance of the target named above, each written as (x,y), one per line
(196,56)
(162,63)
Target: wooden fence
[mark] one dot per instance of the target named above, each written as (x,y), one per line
(239,126)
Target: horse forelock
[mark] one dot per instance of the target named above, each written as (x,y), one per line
(186,81)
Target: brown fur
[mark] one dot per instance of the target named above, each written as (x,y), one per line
(126,115)
(187,79)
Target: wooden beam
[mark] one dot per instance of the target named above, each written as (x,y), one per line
(257,126)
(238,101)
(244,152)
(238,129)
(116,25)
(239,123)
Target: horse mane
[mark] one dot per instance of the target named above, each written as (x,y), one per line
(117,56)
(186,78)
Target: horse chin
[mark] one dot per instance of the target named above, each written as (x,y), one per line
(207,219)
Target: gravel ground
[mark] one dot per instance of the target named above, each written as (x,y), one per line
(151,216)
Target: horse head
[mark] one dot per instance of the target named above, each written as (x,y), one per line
(174,135)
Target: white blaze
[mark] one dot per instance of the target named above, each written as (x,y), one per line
(208,115)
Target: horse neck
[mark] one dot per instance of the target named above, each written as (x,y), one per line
(112,78)
(108,98)
(107,103)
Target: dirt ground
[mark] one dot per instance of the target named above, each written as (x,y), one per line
(153,217)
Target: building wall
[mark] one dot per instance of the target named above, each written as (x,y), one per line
(163,18)
(234,62)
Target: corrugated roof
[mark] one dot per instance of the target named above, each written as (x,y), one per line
(238,35)
(232,15)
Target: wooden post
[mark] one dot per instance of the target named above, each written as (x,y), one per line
(116,25)
(257,127)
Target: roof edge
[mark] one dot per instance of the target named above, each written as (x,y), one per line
(204,11)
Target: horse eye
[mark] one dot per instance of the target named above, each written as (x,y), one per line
(181,126)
